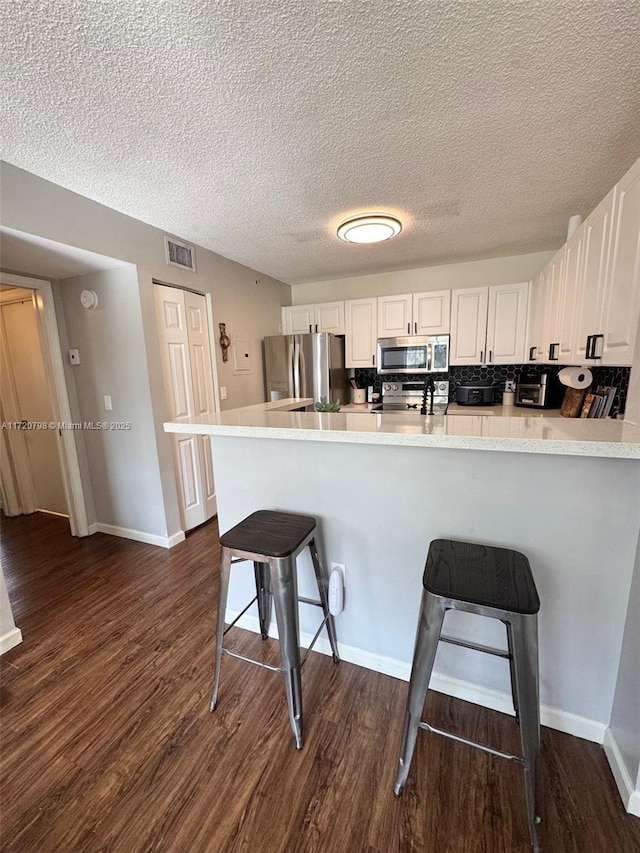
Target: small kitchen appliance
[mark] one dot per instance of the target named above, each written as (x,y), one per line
(475,394)
(539,389)
(413,354)
(407,397)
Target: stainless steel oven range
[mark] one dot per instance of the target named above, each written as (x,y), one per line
(407,396)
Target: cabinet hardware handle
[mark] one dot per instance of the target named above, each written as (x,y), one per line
(373,359)
(594,346)
(490,355)
(310,329)
(316,327)
(532,353)
(415,326)
(553,351)
(587,351)
(408,328)
(481,356)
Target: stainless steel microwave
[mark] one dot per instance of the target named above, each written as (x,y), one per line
(413,354)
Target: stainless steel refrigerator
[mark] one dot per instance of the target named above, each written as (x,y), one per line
(306,366)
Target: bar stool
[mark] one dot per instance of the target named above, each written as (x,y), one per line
(273,540)
(493,582)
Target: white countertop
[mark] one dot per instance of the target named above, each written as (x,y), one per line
(517,434)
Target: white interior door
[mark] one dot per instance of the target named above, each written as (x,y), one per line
(202,383)
(194,469)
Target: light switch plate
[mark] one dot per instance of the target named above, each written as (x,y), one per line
(107,403)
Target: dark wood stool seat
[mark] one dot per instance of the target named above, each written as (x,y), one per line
(272,541)
(486,581)
(273,534)
(481,574)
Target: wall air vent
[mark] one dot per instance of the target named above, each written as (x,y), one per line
(180,254)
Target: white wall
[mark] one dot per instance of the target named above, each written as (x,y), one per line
(445,277)
(10,636)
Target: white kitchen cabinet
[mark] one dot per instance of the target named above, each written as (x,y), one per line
(395,316)
(414,314)
(571,273)
(507,323)
(489,324)
(322,317)
(553,307)
(621,308)
(432,313)
(361,332)
(535,319)
(469,325)
(596,239)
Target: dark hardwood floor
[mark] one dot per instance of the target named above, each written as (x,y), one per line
(108,743)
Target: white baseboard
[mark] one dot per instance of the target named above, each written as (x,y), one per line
(630,796)
(137,535)
(554,718)
(10,639)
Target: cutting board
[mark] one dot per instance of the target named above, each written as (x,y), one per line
(572,403)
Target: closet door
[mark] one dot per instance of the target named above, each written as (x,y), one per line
(186,397)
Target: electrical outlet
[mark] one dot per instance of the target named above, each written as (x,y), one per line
(223,392)
(342,568)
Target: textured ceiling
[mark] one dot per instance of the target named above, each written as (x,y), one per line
(253,127)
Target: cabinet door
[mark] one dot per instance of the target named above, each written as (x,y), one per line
(432,313)
(395,316)
(553,303)
(568,307)
(622,291)
(329,317)
(534,315)
(300,320)
(596,238)
(507,323)
(469,325)
(361,323)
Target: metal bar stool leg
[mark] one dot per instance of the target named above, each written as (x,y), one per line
(512,672)
(525,648)
(432,612)
(225,571)
(324,598)
(285,598)
(263,591)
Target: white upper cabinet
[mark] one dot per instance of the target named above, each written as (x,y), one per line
(361,331)
(621,308)
(596,237)
(469,325)
(414,314)
(571,271)
(535,319)
(329,317)
(432,313)
(297,319)
(489,324)
(507,323)
(553,307)
(395,315)
(304,319)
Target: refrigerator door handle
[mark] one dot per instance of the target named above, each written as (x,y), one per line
(296,370)
(292,390)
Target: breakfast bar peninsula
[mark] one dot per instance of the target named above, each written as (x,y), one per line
(382,486)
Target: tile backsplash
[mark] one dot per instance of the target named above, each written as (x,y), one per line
(499,374)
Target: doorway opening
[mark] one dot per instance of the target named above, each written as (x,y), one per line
(39,468)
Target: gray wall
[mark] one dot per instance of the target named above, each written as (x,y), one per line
(625,716)
(123,464)
(35,206)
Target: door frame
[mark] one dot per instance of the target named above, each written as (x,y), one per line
(56,380)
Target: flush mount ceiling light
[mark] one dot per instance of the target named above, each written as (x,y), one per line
(369,228)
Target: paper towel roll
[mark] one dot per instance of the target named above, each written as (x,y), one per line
(576,377)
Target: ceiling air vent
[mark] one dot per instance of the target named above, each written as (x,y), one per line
(180,254)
